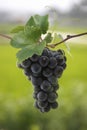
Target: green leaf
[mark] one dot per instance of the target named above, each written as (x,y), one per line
(39,21)
(28,37)
(57,38)
(33,32)
(48,38)
(30,50)
(42,21)
(20,40)
(17,29)
(31,22)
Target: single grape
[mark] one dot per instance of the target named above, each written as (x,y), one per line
(55,53)
(42,104)
(36,88)
(42,96)
(46,109)
(34,58)
(53,80)
(58,71)
(36,68)
(52,63)
(56,87)
(64,65)
(45,52)
(36,80)
(43,60)
(27,72)
(52,97)
(19,66)
(65,58)
(61,52)
(59,59)
(54,105)
(50,53)
(26,63)
(47,72)
(46,86)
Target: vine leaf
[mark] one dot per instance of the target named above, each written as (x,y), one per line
(28,51)
(40,21)
(20,40)
(33,32)
(17,29)
(28,37)
(48,38)
(57,38)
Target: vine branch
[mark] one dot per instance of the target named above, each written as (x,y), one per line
(68,37)
(5,36)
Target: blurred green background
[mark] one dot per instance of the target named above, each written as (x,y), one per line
(16,102)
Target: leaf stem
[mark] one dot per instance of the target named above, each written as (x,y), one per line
(5,36)
(68,37)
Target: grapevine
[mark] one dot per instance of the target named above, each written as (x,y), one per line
(38,57)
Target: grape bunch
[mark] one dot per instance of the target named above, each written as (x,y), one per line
(44,71)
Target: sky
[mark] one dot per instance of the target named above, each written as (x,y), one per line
(36,5)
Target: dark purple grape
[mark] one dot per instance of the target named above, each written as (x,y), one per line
(34,58)
(59,59)
(65,58)
(53,80)
(46,109)
(42,104)
(56,87)
(61,52)
(42,96)
(64,65)
(26,63)
(43,60)
(45,52)
(35,68)
(52,63)
(54,105)
(36,88)
(58,71)
(50,54)
(47,72)
(52,97)
(55,53)
(36,80)
(27,72)
(46,86)
(19,66)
